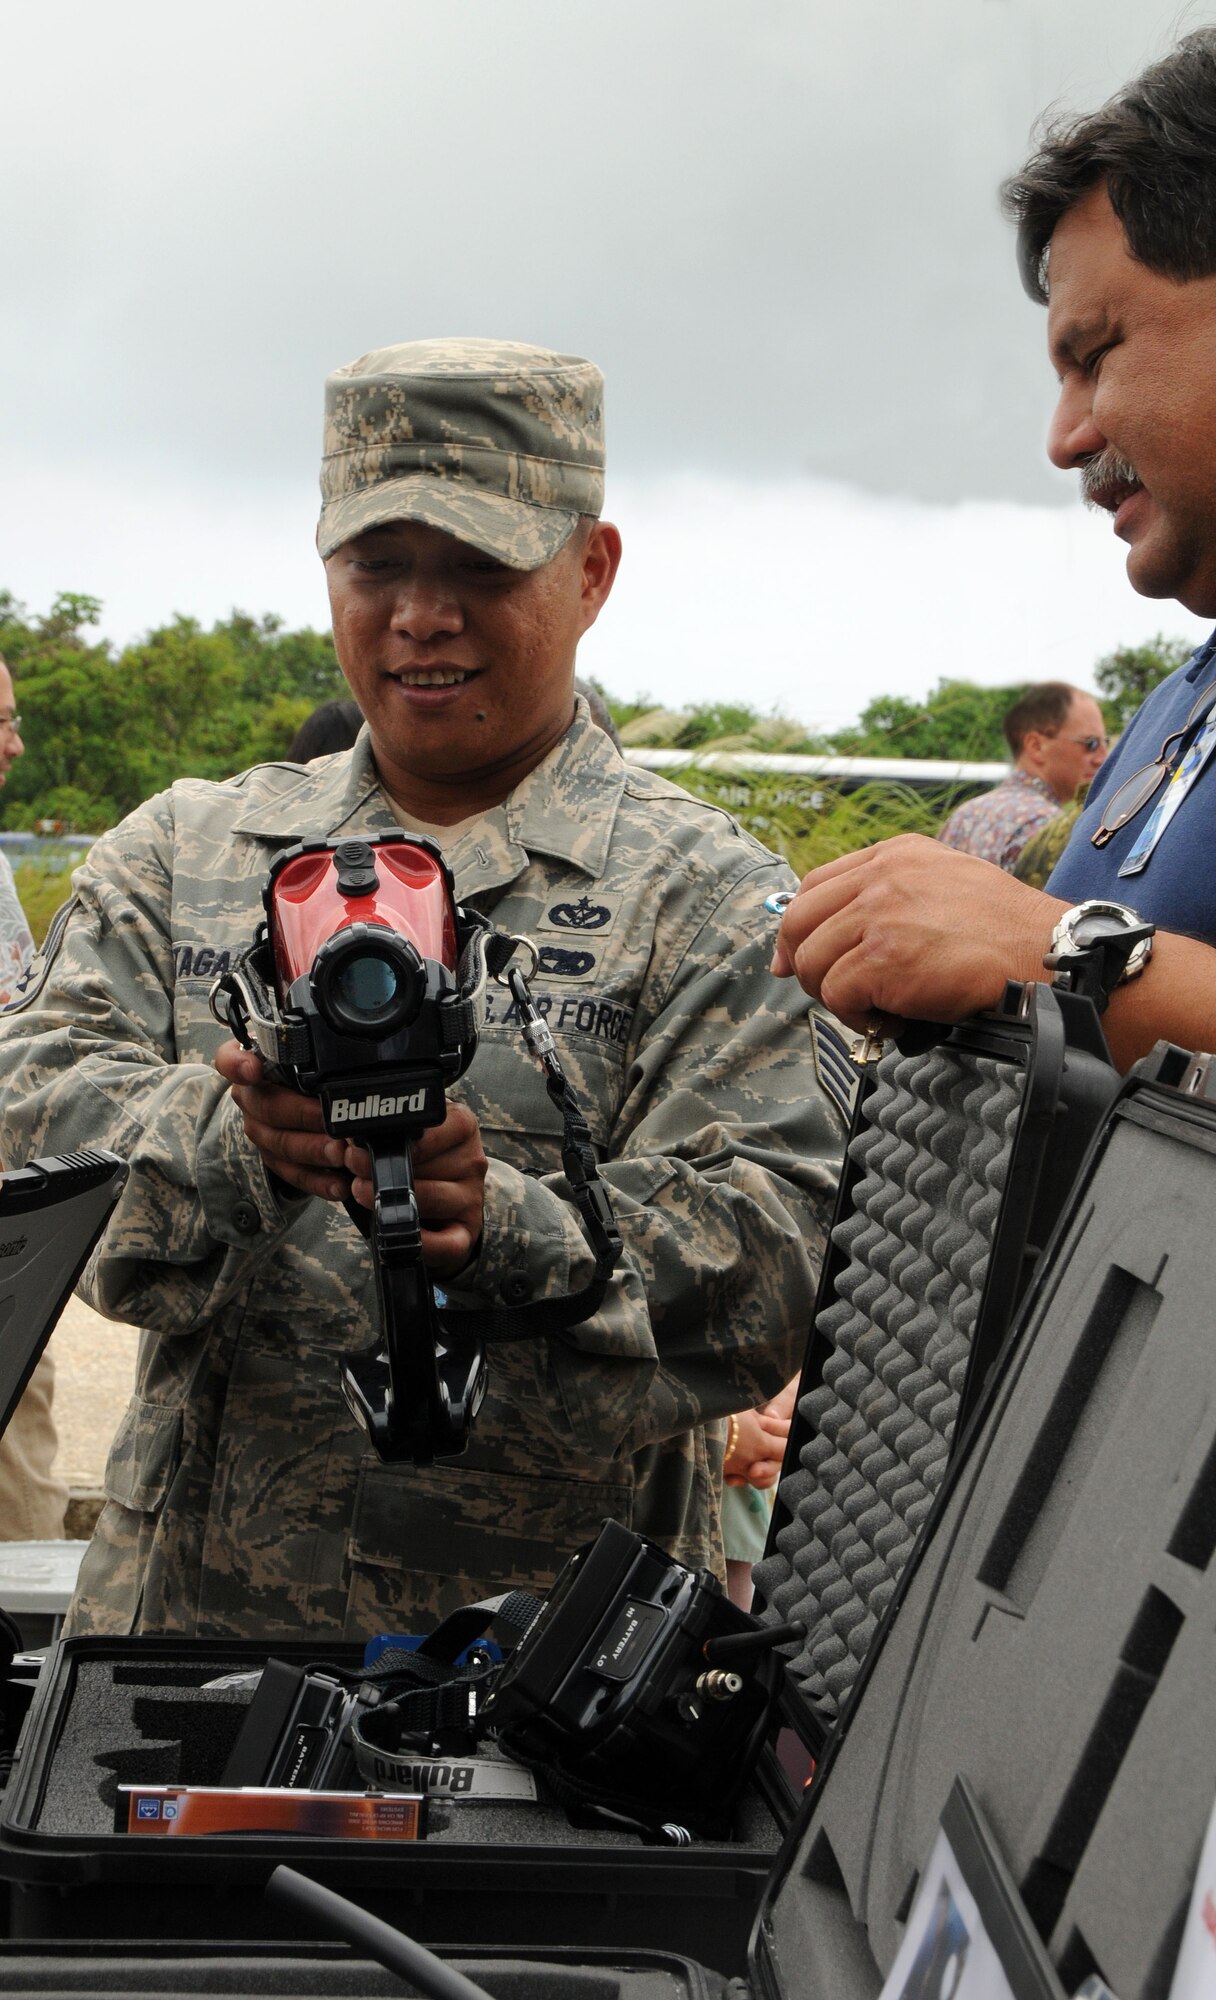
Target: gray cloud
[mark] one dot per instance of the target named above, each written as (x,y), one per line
(774,226)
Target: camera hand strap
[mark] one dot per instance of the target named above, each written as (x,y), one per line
(243,1001)
(430,1689)
(544,1317)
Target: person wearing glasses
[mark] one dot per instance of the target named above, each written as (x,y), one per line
(1116,219)
(32,1500)
(1057,739)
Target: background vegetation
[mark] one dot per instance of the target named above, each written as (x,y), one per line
(104,728)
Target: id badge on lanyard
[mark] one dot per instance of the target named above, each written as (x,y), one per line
(1175,792)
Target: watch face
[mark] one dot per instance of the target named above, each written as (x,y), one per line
(1087,926)
(1093,925)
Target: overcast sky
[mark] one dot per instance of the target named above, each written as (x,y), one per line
(775,226)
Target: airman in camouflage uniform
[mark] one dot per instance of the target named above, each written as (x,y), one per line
(241,1499)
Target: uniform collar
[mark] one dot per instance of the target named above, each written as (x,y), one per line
(565,808)
(335,795)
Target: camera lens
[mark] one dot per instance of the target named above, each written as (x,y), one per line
(368,981)
(367,984)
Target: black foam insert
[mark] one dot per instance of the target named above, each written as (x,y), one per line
(1055,1646)
(124,1725)
(936,1147)
(54,1977)
(125,1722)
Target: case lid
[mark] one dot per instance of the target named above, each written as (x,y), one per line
(51,1214)
(1054,1642)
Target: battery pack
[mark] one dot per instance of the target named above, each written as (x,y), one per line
(201,1809)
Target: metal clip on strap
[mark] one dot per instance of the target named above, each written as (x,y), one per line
(243,1002)
(544,1317)
(483,954)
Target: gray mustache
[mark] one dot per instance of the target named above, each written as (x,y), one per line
(1107,469)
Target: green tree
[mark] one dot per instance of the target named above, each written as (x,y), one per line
(1126,676)
(958,721)
(105,729)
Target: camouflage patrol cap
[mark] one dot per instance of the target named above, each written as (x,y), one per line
(498,444)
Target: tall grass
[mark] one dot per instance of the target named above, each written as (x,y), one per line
(42,886)
(810,823)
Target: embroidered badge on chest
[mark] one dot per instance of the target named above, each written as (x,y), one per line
(584,914)
(563,964)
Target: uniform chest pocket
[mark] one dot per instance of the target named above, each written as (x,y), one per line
(520,1125)
(196,968)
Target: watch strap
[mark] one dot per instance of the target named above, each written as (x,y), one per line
(1095,969)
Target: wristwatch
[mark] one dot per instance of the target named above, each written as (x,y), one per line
(1102,945)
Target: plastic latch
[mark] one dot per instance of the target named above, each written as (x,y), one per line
(1199,1077)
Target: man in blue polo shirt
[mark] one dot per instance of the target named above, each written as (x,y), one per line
(1116,216)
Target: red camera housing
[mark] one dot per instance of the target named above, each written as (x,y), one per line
(307,906)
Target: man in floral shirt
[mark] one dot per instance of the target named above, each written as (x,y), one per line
(1057,738)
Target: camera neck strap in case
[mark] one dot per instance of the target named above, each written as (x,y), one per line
(435,1689)
(427,1697)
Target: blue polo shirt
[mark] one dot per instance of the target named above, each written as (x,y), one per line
(1176,890)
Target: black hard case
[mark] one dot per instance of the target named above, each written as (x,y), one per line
(303,1970)
(1051,1641)
(103,1711)
(109,1711)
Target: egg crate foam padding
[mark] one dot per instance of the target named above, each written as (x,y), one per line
(935,1145)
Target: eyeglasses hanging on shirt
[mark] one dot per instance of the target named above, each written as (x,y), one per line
(1179,761)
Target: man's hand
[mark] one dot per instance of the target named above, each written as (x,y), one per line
(450,1184)
(913,929)
(287,1129)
